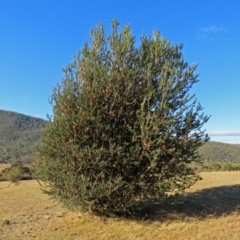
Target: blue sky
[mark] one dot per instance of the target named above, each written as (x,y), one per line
(38,38)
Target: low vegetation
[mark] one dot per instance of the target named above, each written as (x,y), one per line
(15,172)
(209,210)
(216,166)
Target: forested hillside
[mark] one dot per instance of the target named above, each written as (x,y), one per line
(19,135)
(220,152)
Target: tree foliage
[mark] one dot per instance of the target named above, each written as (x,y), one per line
(124,127)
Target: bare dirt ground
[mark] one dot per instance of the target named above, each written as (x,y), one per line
(210,211)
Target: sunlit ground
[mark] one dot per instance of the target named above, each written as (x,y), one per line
(210,211)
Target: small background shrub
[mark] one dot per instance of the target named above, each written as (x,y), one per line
(227,166)
(15,173)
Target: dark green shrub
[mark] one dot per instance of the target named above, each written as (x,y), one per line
(231,167)
(213,166)
(236,167)
(1,177)
(124,127)
(27,173)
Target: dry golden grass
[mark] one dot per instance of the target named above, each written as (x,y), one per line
(3,166)
(210,212)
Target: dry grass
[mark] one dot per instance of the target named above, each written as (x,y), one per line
(3,166)
(210,211)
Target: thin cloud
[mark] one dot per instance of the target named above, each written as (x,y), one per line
(214,29)
(224,133)
(211,32)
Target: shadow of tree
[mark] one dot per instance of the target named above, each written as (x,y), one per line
(215,202)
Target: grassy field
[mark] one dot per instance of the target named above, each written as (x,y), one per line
(210,211)
(3,166)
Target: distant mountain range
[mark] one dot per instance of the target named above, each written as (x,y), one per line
(19,135)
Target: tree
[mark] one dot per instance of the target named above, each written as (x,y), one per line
(124,127)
